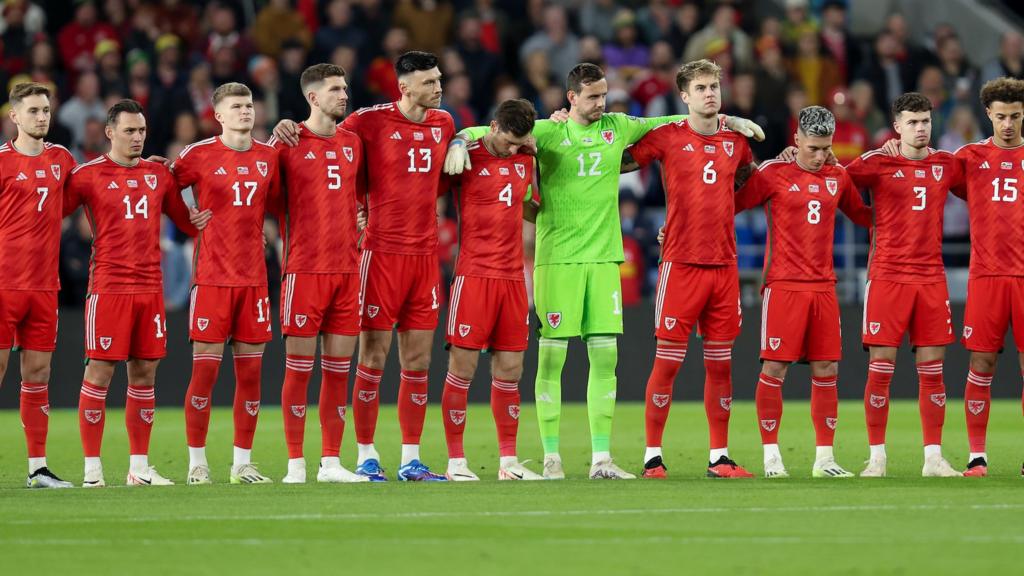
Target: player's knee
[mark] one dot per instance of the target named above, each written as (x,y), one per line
(40,373)
(826,369)
(507,369)
(983,362)
(99,373)
(775,369)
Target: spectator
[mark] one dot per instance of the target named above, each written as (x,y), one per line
(15,39)
(771,75)
(1010,61)
(111,74)
(266,85)
(186,131)
(931,83)
(596,19)
(42,65)
(457,94)
(290,101)
(429,23)
(624,52)
(959,77)
(371,17)
(537,77)
(493,26)
(889,74)
(797,23)
(962,128)
(551,99)
(200,97)
(381,79)
(78,39)
(684,25)
(655,21)
(75,255)
(224,67)
(115,13)
(483,66)
(817,73)
(224,37)
(85,104)
(58,134)
(348,58)
(591,51)
(743,102)
(276,23)
(850,139)
(559,44)
(796,100)
(866,111)
(913,57)
(656,91)
(837,40)
(33,18)
(340,29)
(722,28)
(635,231)
(181,18)
(94,141)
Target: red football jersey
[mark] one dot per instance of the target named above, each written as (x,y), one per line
(123,204)
(994,178)
(698,172)
(801,207)
(31,190)
(234,184)
(404,178)
(908,198)
(319,178)
(489,200)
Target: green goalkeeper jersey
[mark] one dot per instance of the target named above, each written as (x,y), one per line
(578,221)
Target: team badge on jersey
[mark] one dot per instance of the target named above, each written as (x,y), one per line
(262,168)
(874,327)
(457,416)
(55,170)
(464,330)
(436,133)
(300,320)
(150,181)
(725,403)
(299,410)
(341,413)
(974,406)
(877,401)
(608,136)
(769,425)
(252,407)
(418,399)
(774,343)
(105,342)
(372,311)
(660,400)
(347,151)
(367,395)
(202,323)
(938,399)
(554,319)
(513,411)
(832,185)
(937,173)
(147,415)
(831,422)
(968,331)
(521,170)
(200,402)
(727,146)
(670,323)
(92,416)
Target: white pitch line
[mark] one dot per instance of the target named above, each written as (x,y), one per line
(508,513)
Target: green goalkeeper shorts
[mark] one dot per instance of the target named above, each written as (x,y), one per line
(578,299)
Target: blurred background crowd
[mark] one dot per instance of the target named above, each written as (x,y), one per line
(777,57)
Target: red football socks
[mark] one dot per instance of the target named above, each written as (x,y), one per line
(453,413)
(412,405)
(667,360)
(718,393)
(931,401)
(297,371)
(366,402)
(197,398)
(247,397)
(876,399)
(333,392)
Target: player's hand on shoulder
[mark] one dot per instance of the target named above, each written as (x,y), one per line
(199,219)
(561,116)
(661,235)
(891,147)
(788,154)
(748,128)
(287,131)
(529,147)
(159,160)
(361,219)
(457,159)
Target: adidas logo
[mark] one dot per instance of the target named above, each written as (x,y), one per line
(898,174)
(794,188)
(112,186)
(221,172)
(310,155)
(688,148)
(566,142)
(484,172)
(396,136)
(21,176)
(984,165)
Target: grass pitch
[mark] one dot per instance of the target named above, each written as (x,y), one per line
(903,524)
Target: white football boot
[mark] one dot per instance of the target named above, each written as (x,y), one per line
(607,470)
(296,472)
(875,467)
(93,478)
(458,471)
(248,474)
(199,474)
(935,466)
(828,468)
(336,473)
(774,468)
(147,477)
(516,471)
(553,467)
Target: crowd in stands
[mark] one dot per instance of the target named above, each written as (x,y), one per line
(170,54)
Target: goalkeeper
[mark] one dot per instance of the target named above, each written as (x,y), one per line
(577,288)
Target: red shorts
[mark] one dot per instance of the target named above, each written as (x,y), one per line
(893,308)
(28,320)
(706,295)
(800,325)
(123,326)
(488,313)
(219,313)
(314,303)
(993,302)
(399,289)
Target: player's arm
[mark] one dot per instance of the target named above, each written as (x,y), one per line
(75,188)
(649,148)
(743,173)
(958,185)
(853,205)
(863,173)
(531,205)
(754,192)
(179,213)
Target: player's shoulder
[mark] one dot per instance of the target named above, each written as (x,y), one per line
(873,157)
(90,166)
(197,148)
(376,109)
(346,135)
(944,156)
(773,166)
(973,147)
(439,116)
(154,166)
(265,148)
(59,150)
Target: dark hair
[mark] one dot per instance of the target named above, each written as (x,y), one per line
(582,75)
(414,61)
(911,102)
(26,89)
(318,73)
(122,106)
(515,115)
(1003,89)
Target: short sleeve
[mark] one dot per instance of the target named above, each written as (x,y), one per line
(185,169)
(862,173)
(754,192)
(647,149)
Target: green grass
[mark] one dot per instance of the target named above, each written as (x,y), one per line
(898,525)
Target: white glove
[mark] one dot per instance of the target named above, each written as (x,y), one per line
(457,159)
(746,127)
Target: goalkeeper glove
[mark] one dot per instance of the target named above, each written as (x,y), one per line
(745,127)
(457,159)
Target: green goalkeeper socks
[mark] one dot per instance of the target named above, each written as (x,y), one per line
(603,354)
(548,389)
